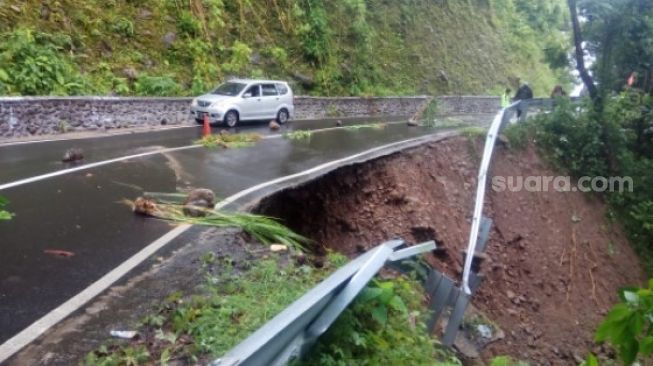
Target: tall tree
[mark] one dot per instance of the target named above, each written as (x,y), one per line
(580,53)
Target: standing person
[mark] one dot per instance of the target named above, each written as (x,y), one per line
(523,93)
(558,92)
(505,98)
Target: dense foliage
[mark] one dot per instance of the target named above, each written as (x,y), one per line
(359,47)
(629,325)
(619,33)
(384,325)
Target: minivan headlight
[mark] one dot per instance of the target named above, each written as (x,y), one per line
(194,102)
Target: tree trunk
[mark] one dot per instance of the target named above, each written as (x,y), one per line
(580,61)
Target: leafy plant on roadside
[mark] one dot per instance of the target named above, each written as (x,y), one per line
(372,126)
(4,214)
(629,325)
(298,135)
(506,361)
(32,63)
(227,140)
(384,325)
(234,302)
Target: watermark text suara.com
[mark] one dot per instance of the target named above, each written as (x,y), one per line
(538,183)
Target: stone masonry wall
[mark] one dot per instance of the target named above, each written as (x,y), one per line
(30,116)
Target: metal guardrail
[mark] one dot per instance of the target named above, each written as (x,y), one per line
(295,329)
(499,122)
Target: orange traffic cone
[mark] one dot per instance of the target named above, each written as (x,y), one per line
(207,127)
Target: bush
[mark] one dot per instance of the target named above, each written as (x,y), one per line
(161,86)
(616,142)
(30,64)
(377,329)
(124,27)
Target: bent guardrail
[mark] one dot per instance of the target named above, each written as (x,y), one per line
(295,329)
(499,122)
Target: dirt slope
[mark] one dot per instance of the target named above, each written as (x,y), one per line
(555,264)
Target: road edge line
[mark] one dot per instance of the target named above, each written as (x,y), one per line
(36,329)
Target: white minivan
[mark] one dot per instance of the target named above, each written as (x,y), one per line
(245,100)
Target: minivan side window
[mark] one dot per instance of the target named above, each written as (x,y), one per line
(283,90)
(269,90)
(254,90)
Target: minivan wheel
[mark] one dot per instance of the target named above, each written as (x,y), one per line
(199,120)
(231,118)
(283,116)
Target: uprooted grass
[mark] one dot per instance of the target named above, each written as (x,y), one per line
(373,126)
(227,140)
(234,303)
(266,230)
(298,135)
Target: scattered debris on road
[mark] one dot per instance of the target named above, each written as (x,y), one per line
(278,248)
(124,334)
(227,140)
(59,253)
(73,155)
(274,125)
(197,209)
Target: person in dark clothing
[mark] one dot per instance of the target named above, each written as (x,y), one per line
(523,93)
(558,92)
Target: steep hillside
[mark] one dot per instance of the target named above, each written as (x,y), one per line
(358,47)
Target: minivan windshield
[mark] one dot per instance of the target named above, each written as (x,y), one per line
(230,89)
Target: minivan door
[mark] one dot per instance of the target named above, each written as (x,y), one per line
(270,100)
(251,104)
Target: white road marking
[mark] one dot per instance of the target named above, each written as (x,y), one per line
(29,334)
(89,166)
(57,173)
(113,133)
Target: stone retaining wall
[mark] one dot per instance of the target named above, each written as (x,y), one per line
(29,116)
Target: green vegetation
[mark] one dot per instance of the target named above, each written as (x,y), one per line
(233,304)
(629,325)
(617,142)
(264,229)
(384,325)
(506,361)
(227,140)
(298,135)
(4,214)
(473,132)
(344,47)
(372,126)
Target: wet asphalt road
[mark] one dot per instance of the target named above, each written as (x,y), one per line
(83,212)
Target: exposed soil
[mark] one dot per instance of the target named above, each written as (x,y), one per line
(555,265)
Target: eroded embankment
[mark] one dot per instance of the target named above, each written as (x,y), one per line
(555,265)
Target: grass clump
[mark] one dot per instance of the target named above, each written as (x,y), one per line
(229,141)
(234,303)
(298,135)
(264,229)
(473,132)
(518,135)
(372,126)
(4,214)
